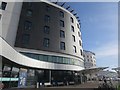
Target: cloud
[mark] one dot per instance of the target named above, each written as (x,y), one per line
(107,50)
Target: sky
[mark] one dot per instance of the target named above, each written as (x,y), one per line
(99,27)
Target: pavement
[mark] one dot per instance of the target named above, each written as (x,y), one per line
(90,85)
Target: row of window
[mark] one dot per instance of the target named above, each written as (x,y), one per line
(28,26)
(46,43)
(55,59)
(88,60)
(29,13)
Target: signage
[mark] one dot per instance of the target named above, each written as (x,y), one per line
(22,77)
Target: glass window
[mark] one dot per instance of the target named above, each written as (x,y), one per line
(45,57)
(72,20)
(62,34)
(74,49)
(61,23)
(81,52)
(54,59)
(47,8)
(60,59)
(79,34)
(28,25)
(46,29)
(72,28)
(3,5)
(46,42)
(62,45)
(78,26)
(29,13)
(80,43)
(61,14)
(0,16)
(73,38)
(47,18)
(25,39)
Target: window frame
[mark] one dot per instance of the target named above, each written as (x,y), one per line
(62,34)
(46,29)
(62,24)
(62,45)
(46,42)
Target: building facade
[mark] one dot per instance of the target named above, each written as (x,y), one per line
(40,42)
(89,59)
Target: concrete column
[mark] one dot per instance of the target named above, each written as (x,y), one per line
(50,76)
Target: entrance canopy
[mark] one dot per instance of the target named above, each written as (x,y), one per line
(92,70)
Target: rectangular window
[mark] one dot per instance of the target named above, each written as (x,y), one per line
(28,25)
(80,43)
(3,5)
(45,58)
(72,28)
(29,13)
(61,14)
(81,52)
(74,49)
(61,23)
(0,16)
(78,26)
(79,34)
(47,18)
(62,45)
(46,42)
(72,20)
(73,38)
(47,8)
(46,29)
(25,39)
(62,34)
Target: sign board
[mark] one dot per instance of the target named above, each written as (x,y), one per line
(22,77)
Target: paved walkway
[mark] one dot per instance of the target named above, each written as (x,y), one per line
(89,84)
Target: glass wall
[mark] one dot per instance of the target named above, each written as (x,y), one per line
(55,59)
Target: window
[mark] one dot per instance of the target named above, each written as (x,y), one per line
(62,34)
(73,38)
(72,28)
(61,14)
(47,18)
(62,45)
(0,16)
(25,39)
(46,42)
(79,34)
(72,20)
(78,26)
(81,52)
(46,29)
(28,25)
(74,49)
(3,5)
(61,23)
(47,8)
(88,60)
(80,43)
(45,57)
(29,13)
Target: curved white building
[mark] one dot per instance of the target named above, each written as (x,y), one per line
(41,38)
